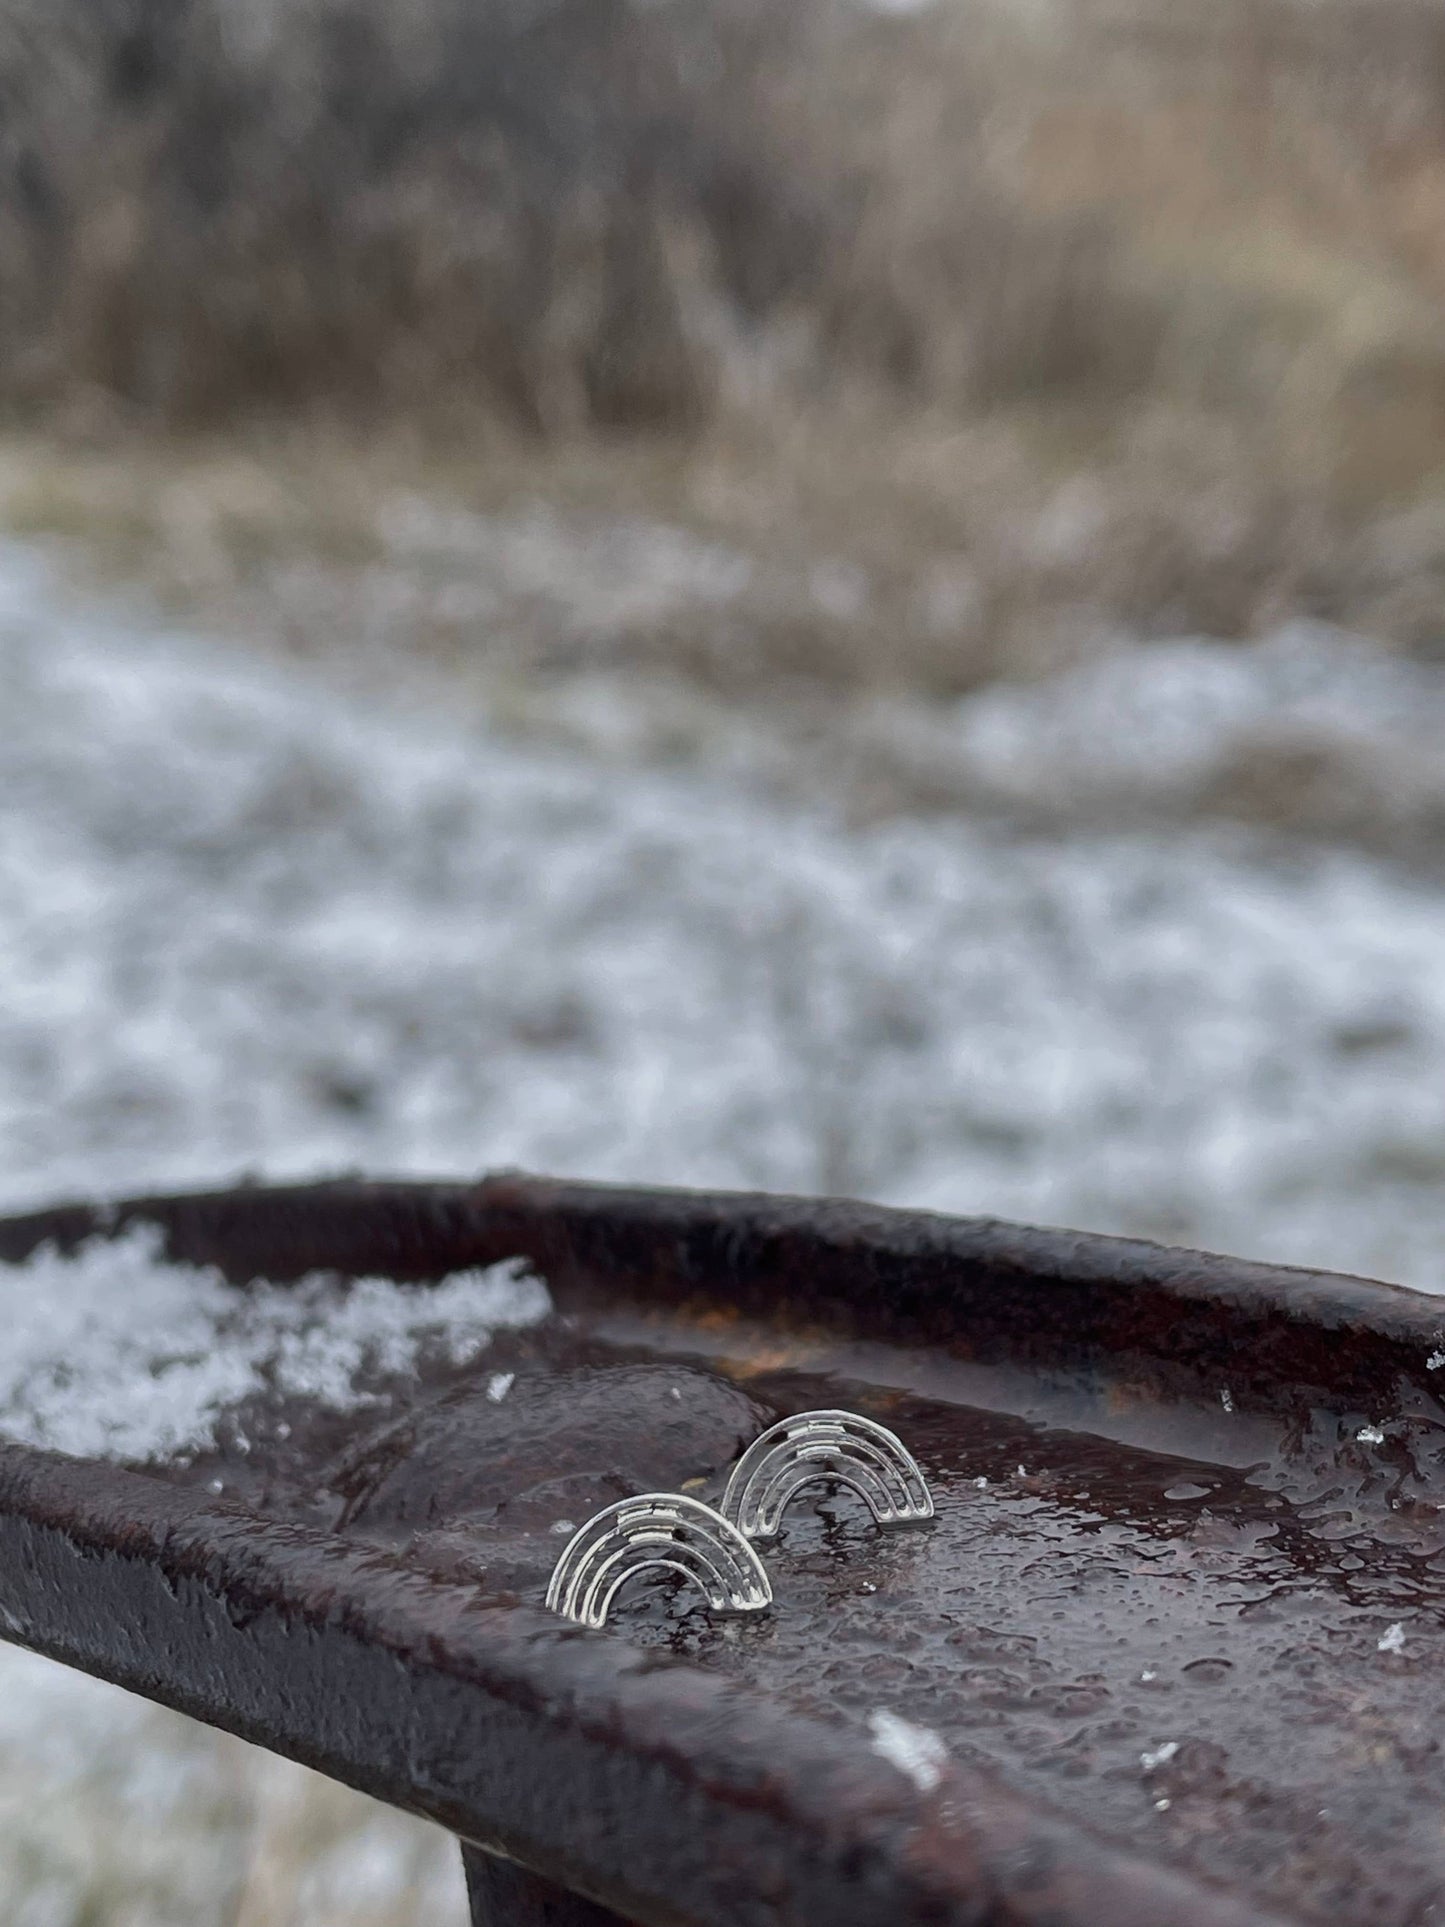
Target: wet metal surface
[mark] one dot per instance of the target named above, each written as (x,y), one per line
(1178,1620)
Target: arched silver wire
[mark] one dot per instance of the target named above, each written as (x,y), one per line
(838,1447)
(657,1530)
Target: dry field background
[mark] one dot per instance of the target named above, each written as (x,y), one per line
(972,336)
(758,359)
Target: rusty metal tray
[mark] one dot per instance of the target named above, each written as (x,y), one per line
(1178,1622)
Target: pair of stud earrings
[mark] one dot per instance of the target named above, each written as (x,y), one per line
(716,1548)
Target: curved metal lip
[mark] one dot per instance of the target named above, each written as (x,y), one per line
(667,1531)
(843,1448)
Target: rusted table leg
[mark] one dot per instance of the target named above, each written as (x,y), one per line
(506,1895)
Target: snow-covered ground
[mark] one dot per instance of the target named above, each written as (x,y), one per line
(248,925)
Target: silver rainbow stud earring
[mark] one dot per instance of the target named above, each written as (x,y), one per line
(668,1531)
(657,1531)
(840,1448)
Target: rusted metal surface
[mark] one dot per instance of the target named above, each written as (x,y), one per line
(1146,1623)
(502,1894)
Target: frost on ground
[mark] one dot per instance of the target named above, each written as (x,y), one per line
(115,1354)
(1310,728)
(248,927)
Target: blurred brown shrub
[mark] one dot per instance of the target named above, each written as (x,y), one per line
(1071,316)
(575,211)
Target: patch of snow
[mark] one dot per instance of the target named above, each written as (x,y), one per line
(592,578)
(249,925)
(1435,1361)
(1392,1640)
(1161,1756)
(1226,1399)
(916,1751)
(115,1353)
(1371,1435)
(499,1384)
(1169,725)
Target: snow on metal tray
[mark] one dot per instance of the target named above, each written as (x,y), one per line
(1171,1651)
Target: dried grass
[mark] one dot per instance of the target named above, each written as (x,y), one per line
(590,213)
(1037,325)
